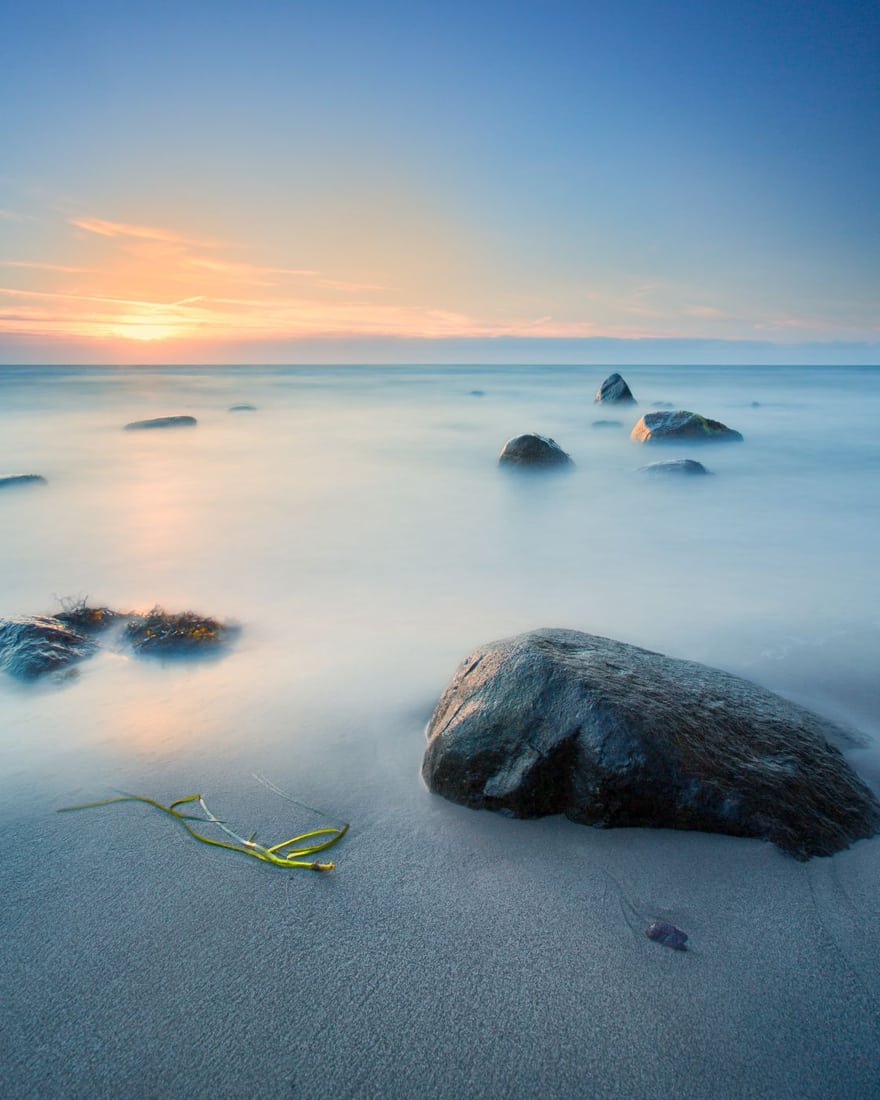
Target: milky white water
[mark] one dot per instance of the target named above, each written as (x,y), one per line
(358,528)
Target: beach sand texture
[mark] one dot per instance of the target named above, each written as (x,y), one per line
(358,529)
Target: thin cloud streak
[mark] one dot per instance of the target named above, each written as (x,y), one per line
(106,228)
(40,266)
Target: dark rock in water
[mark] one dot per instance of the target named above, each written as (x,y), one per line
(242,408)
(11,481)
(662,405)
(667,934)
(557,721)
(477,393)
(614,391)
(88,620)
(31,647)
(607,423)
(533,450)
(163,634)
(681,426)
(162,422)
(686,466)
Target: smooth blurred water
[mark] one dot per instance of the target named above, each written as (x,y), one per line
(358,527)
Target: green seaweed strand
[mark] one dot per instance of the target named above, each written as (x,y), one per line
(249,847)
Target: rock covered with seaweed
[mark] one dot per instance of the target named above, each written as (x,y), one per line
(160,633)
(609,734)
(34,646)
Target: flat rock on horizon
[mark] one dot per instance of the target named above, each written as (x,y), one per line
(162,422)
(12,481)
(609,734)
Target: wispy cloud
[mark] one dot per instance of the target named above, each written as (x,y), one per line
(705,311)
(106,228)
(13,216)
(40,266)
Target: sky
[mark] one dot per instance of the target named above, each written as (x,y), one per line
(282,181)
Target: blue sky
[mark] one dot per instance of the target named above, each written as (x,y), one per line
(193,181)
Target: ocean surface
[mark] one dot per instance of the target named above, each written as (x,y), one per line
(358,528)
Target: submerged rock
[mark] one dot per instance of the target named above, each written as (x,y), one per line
(533,450)
(607,423)
(12,481)
(609,734)
(242,408)
(614,391)
(31,647)
(162,422)
(161,633)
(686,466)
(681,426)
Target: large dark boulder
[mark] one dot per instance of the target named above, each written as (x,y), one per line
(31,647)
(681,426)
(532,450)
(14,481)
(162,422)
(556,721)
(614,391)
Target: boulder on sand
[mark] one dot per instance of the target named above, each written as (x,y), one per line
(162,422)
(609,734)
(537,451)
(681,426)
(614,391)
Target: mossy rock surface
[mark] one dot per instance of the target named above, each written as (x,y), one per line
(161,633)
(609,734)
(682,426)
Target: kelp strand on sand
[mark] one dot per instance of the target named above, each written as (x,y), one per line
(249,847)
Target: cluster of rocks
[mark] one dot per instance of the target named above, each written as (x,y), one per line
(33,646)
(678,426)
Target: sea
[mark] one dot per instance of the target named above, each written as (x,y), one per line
(357,528)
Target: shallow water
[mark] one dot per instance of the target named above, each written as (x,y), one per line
(358,528)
